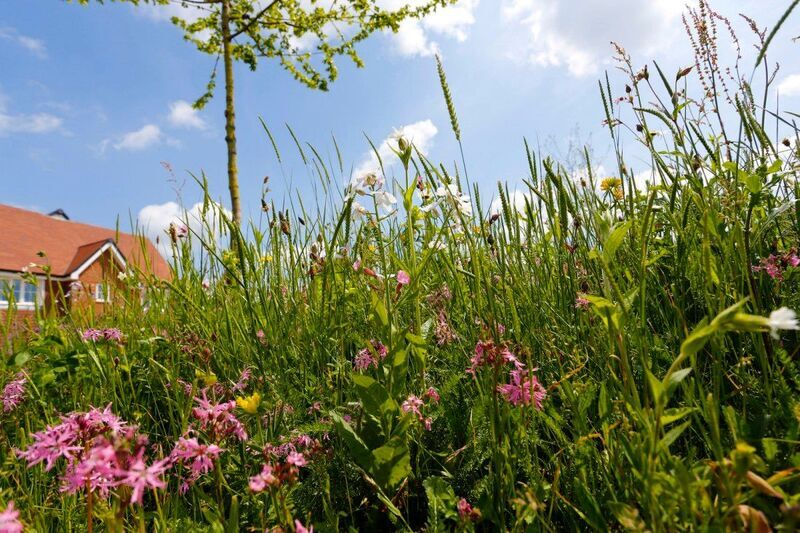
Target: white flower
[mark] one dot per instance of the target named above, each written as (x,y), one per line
(357,210)
(455,198)
(783,318)
(385,199)
(367,182)
(437,245)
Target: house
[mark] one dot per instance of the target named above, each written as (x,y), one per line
(51,263)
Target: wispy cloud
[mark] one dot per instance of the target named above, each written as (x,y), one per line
(26,123)
(34,46)
(416,37)
(144,137)
(560,34)
(183,115)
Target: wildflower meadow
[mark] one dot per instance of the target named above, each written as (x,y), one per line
(587,352)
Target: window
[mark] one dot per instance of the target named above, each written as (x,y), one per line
(25,295)
(102,292)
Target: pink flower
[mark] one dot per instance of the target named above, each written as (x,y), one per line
(300,528)
(95,471)
(403,278)
(199,457)
(364,360)
(432,394)
(296,459)
(263,480)
(581,303)
(523,389)
(357,264)
(444,333)
(412,405)
(218,419)
(14,392)
(464,508)
(244,377)
(92,334)
(774,265)
(9,520)
(369,356)
(487,353)
(112,334)
(139,476)
(65,439)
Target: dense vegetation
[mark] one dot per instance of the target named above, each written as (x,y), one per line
(599,353)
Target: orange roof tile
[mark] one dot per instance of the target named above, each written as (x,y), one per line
(67,244)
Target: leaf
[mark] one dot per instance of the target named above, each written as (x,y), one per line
(614,240)
(359,451)
(441,499)
(673,415)
(391,464)
(399,360)
(698,338)
(761,485)
(627,516)
(22,358)
(379,310)
(770,448)
(655,386)
(374,397)
(673,434)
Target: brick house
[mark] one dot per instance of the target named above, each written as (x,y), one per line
(50,263)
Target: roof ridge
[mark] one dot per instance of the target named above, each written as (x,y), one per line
(73,222)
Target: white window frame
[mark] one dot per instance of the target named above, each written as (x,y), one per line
(24,304)
(105,297)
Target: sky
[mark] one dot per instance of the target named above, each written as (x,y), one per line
(96,116)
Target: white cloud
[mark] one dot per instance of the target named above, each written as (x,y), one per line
(517,203)
(183,115)
(140,139)
(790,86)
(33,123)
(420,134)
(34,46)
(414,37)
(562,34)
(154,221)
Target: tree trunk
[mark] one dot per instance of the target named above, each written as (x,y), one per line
(230,115)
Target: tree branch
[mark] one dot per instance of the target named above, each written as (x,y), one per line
(254,19)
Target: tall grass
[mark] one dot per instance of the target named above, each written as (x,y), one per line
(643,315)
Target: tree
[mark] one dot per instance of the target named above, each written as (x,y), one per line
(305,36)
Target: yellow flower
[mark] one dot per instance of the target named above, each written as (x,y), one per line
(209,379)
(610,183)
(250,403)
(267,259)
(618,193)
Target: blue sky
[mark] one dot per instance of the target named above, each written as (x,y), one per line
(92,99)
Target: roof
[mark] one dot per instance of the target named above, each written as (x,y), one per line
(67,244)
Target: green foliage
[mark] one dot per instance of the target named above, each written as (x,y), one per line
(651,313)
